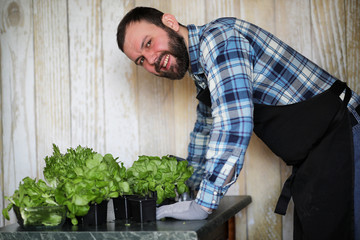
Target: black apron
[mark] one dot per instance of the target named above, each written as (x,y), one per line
(315,137)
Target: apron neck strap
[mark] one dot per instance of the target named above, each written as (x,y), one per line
(338,87)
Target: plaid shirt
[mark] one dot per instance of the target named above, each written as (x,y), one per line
(241,64)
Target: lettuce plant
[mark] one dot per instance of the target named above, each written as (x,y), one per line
(166,176)
(32,193)
(82,177)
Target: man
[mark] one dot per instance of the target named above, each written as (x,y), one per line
(249,80)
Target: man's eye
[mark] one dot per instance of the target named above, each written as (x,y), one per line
(148,43)
(141,61)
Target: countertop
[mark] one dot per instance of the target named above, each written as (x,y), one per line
(116,229)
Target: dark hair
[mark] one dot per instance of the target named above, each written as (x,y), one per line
(138,14)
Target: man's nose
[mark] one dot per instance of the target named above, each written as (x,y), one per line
(150,57)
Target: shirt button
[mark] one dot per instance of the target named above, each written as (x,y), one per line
(213,201)
(215,193)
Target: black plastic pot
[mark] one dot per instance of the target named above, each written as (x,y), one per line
(122,208)
(143,209)
(96,216)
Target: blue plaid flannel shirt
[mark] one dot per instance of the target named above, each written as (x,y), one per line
(241,64)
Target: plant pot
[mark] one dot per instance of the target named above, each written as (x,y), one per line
(122,208)
(96,216)
(143,209)
(40,218)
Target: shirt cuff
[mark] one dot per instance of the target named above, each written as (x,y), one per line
(209,195)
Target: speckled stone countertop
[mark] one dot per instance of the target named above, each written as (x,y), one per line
(168,229)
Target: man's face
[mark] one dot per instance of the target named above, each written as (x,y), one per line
(162,52)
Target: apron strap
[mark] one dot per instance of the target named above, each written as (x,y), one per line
(285,195)
(204,96)
(337,87)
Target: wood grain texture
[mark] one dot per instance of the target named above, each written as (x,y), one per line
(52,82)
(328,26)
(64,80)
(86,74)
(353,44)
(18,96)
(222,8)
(1,151)
(120,88)
(156,115)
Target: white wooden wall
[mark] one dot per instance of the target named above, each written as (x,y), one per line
(64,81)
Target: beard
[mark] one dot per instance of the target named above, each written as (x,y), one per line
(178,49)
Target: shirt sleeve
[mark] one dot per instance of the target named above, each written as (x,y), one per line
(199,139)
(226,58)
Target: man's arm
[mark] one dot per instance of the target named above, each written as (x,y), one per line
(199,139)
(227,62)
(226,58)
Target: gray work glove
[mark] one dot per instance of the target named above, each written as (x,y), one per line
(186,210)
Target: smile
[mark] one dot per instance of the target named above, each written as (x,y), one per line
(166,61)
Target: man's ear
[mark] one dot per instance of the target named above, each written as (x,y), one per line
(170,21)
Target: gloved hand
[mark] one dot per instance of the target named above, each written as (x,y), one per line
(186,210)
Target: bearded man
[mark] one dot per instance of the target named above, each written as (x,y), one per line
(249,80)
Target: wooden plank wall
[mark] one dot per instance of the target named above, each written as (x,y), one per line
(64,81)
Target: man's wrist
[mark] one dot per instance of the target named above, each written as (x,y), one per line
(209,195)
(208,210)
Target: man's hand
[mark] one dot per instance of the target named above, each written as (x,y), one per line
(186,210)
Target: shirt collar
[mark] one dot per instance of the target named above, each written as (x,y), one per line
(194,49)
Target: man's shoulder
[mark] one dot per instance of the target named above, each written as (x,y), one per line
(220,26)
(216,28)
(221,23)
(220,30)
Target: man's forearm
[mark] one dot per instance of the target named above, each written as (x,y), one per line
(228,179)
